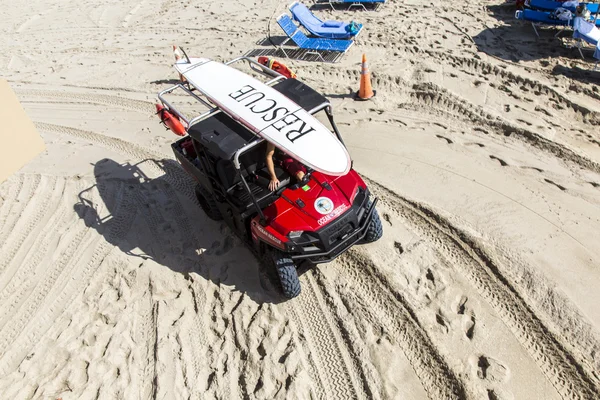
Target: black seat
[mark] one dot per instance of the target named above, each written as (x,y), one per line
(256,174)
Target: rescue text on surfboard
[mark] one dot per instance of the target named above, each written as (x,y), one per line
(288,123)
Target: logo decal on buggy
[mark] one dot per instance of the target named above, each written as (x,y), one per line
(267,234)
(324,205)
(334,214)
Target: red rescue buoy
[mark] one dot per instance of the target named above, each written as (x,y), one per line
(276,66)
(170,121)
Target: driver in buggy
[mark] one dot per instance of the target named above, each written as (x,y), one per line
(291,166)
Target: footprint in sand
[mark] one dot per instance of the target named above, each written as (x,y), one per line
(534,168)
(468,325)
(227,245)
(387,218)
(489,369)
(442,321)
(501,161)
(467,316)
(445,138)
(461,305)
(475,144)
(498,394)
(398,247)
(555,184)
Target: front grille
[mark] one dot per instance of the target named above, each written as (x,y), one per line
(337,225)
(340,234)
(338,229)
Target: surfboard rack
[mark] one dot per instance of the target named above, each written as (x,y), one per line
(213,109)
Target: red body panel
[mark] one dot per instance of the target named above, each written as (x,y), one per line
(286,215)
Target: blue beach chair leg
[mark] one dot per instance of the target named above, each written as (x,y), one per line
(535,30)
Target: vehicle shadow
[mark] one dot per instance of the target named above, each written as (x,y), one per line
(156,219)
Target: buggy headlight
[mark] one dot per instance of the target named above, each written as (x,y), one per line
(295,234)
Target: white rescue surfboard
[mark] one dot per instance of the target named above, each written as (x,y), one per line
(269,114)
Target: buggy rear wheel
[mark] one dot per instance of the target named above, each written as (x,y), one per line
(374,230)
(208,203)
(286,271)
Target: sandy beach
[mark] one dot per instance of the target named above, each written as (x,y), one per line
(482,144)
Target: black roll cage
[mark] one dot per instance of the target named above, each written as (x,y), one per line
(212,110)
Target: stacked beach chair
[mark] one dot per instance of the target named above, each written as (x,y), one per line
(327,40)
(569,14)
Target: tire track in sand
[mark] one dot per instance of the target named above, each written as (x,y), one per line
(368,289)
(142,106)
(432,96)
(567,375)
(439,99)
(47,237)
(34,213)
(158,218)
(10,191)
(15,202)
(330,359)
(62,283)
(363,370)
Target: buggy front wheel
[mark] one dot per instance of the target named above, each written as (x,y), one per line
(374,230)
(286,271)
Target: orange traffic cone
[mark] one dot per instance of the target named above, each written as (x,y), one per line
(366,91)
(178,56)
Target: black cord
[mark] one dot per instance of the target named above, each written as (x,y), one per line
(269,25)
(185,54)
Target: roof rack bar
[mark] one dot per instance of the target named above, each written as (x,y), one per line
(212,109)
(319,107)
(236,158)
(328,110)
(169,105)
(260,69)
(200,99)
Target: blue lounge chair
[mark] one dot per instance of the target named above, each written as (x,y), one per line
(311,45)
(327,29)
(586,31)
(538,18)
(356,3)
(549,5)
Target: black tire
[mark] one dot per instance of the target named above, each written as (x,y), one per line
(287,273)
(374,230)
(208,203)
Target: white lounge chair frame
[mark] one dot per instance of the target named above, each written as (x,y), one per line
(308,51)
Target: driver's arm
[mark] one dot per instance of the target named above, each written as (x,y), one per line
(271,166)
